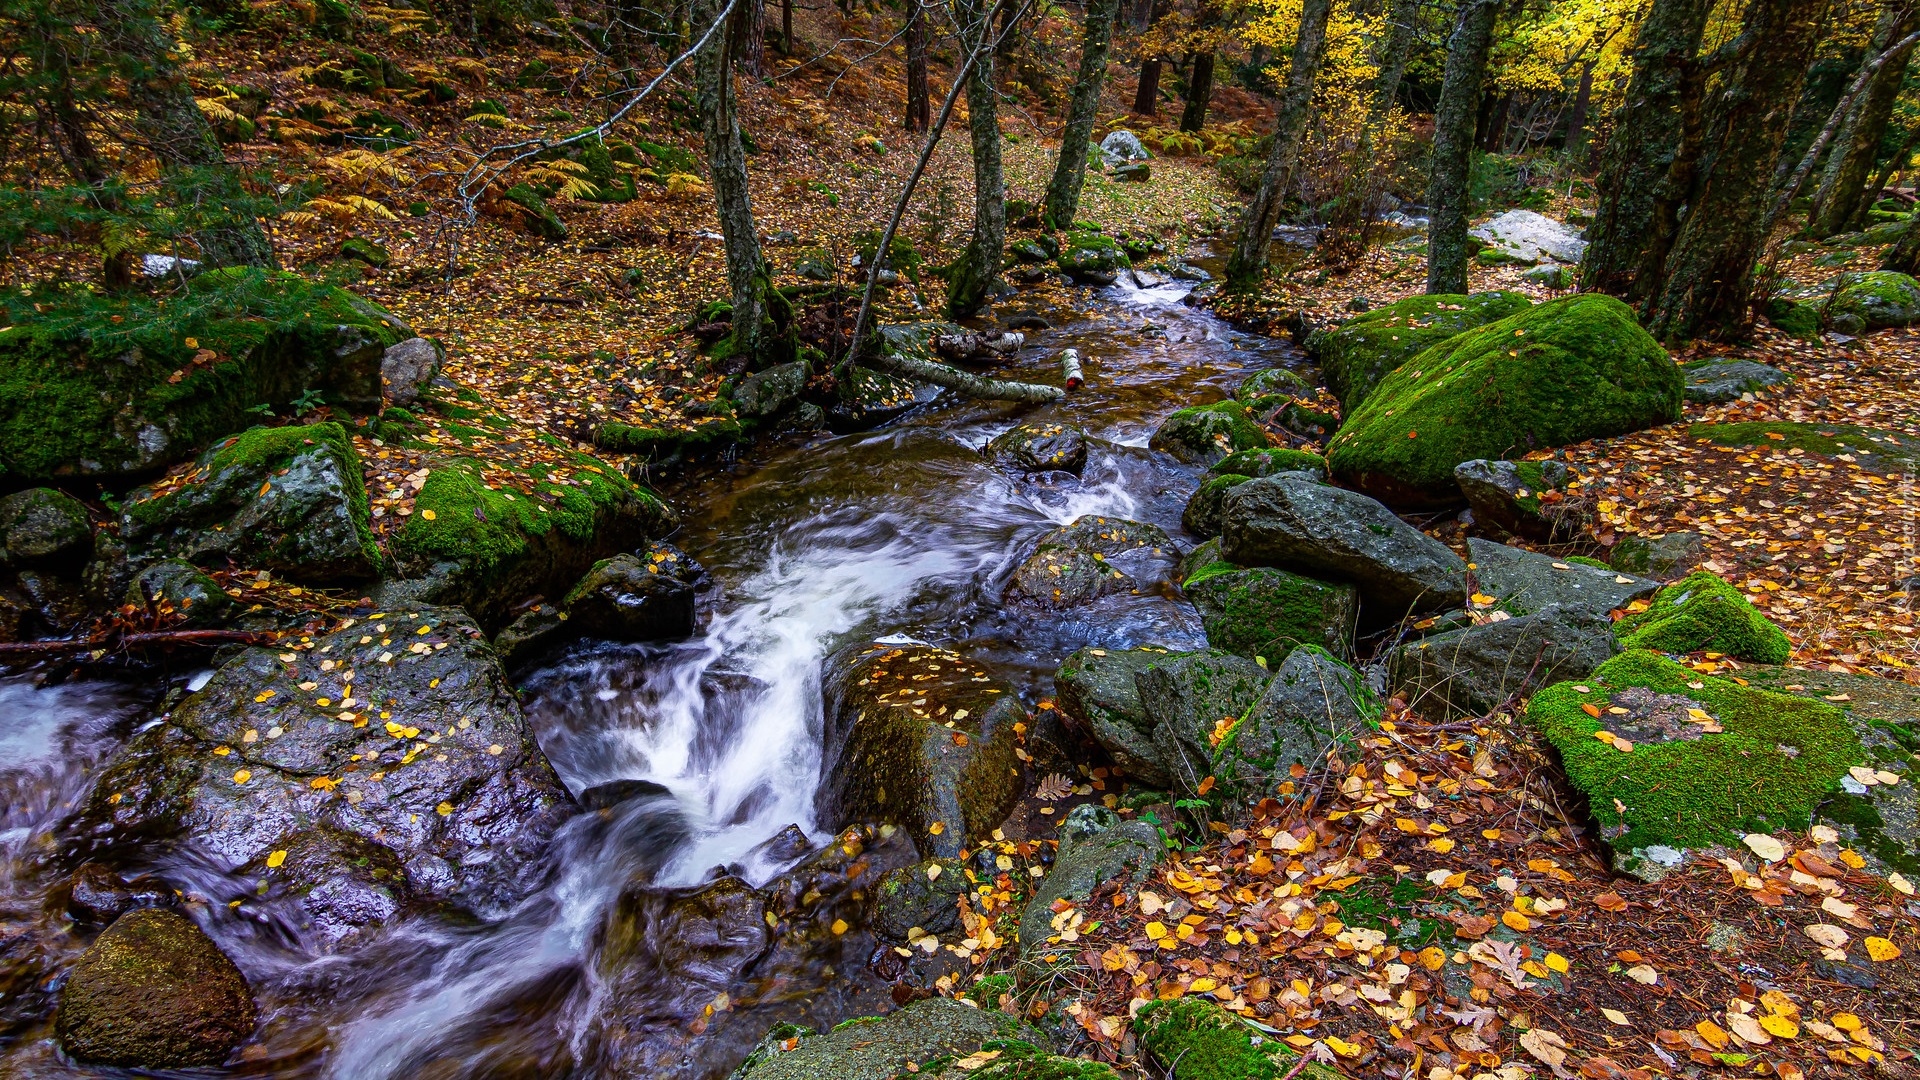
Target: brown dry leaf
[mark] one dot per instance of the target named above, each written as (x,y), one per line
(1053,788)
(1545,1045)
(1610,901)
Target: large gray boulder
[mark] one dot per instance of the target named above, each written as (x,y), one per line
(1335,534)
(1524,581)
(1096,847)
(651,596)
(153,992)
(1312,702)
(179,587)
(1045,447)
(1715,382)
(401,732)
(1121,147)
(1524,236)
(1190,698)
(1096,687)
(1475,669)
(289,500)
(44,529)
(407,367)
(1523,498)
(768,393)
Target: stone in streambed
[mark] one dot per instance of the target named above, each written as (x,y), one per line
(1040,448)
(1093,556)
(1312,702)
(1096,687)
(924,896)
(1203,434)
(153,993)
(179,586)
(891,756)
(335,886)
(770,392)
(1202,515)
(1327,532)
(44,529)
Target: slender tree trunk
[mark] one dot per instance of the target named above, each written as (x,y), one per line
(746,269)
(172,126)
(1837,203)
(1404,16)
(1070,172)
(748,31)
(919,102)
(1249,257)
(1447,195)
(1709,275)
(1640,152)
(977,272)
(1146,95)
(1879,188)
(1904,256)
(786,27)
(1577,120)
(1193,116)
(466,25)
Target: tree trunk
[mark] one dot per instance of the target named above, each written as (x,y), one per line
(727,159)
(1640,151)
(1577,120)
(1838,203)
(171,125)
(466,25)
(977,272)
(1904,255)
(1709,275)
(1879,187)
(748,31)
(919,100)
(1193,116)
(1447,195)
(1491,121)
(1070,172)
(786,27)
(1404,16)
(1249,257)
(1146,96)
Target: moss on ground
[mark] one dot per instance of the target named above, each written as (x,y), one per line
(1562,372)
(1701,611)
(1776,759)
(1356,355)
(1869,447)
(1194,1039)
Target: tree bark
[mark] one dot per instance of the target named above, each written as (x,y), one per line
(1403,16)
(1146,95)
(1453,123)
(727,159)
(966,382)
(1904,256)
(748,30)
(1577,120)
(1788,182)
(172,126)
(919,100)
(1491,123)
(1070,171)
(1838,203)
(1249,258)
(1640,152)
(1709,276)
(1880,181)
(1193,116)
(977,272)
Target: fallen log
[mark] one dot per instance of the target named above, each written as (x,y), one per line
(963,382)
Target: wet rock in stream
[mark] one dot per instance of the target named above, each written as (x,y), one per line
(1094,556)
(154,993)
(1040,448)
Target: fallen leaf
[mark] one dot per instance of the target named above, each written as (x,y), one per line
(1765,846)
(1643,974)
(1881,949)
(1545,1046)
(1616,1016)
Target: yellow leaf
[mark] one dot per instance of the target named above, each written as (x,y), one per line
(1516,921)
(1882,950)
(276,858)
(1342,1047)
(1780,1026)
(444,809)
(242,776)
(1616,1016)
(1715,1035)
(1556,962)
(839,926)
(1156,931)
(428,514)
(1201,986)
(1643,974)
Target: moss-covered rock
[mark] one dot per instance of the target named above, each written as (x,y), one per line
(1265,613)
(1203,434)
(1092,258)
(81,395)
(1872,449)
(177,587)
(1701,611)
(1097,688)
(927,1035)
(1874,300)
(1312,702)
(871,398)
(1191,700)
(1272,388)
(892,756)
(44,529)
(1201,518)
(480,545)
(290,500)
(1662,557)
(153,992)
(1195,1039)
(1257,463)
(769,393)
(1047,447)
(1794,320)
(1356,355)
(1522,498)
(535,214)
(924,896)
(1563,372)
(1681,783)
(1096,847)
(670,445)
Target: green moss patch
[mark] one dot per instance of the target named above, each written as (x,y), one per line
(1266,462)
(1198,1040)
(1682,785)
(1701,611)
(1871,448)
(1263,612)
(1360,352)
(1204,434)
(1563,372)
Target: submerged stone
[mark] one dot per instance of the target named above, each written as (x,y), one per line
(153,992)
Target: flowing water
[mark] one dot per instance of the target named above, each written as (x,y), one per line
(904,532)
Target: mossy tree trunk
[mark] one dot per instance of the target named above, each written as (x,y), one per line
(1249,257)
(1622,258)
(977,272)
(1839,204)
(1070,172)
(727,159)
(1448,246)
(748,31)
(1193,115)
(168,122)
(1403,18)
(1709,275)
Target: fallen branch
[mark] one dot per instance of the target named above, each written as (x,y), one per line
(963,382)
(43,650)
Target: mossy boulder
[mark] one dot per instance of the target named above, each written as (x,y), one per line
(360,249)
(1092,557)
(629,598)
(289,500)
(1356,355)
(1191,699)
(1096,847)
(927,1035)
(1522,498)
(1522,582)
(1265,613)
(1716,382)
(153,992)
(1266,462)
(1563,372)
(535,214)
(1874,300)
(1702,611)
(1683,784)
(919,737)
(486,545)
(1662,557)
(1795,320)
(1312,702)
(1272,388)
(1203,434)
(410,739)
(44,529)
(924,896)
(768,393)
(670,445)
(1092,258)
(1045,447)
(1872,449)
(177,587)
(1201,518)
(1096,687)
(82,395)
(1195,1039)
(870,398)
